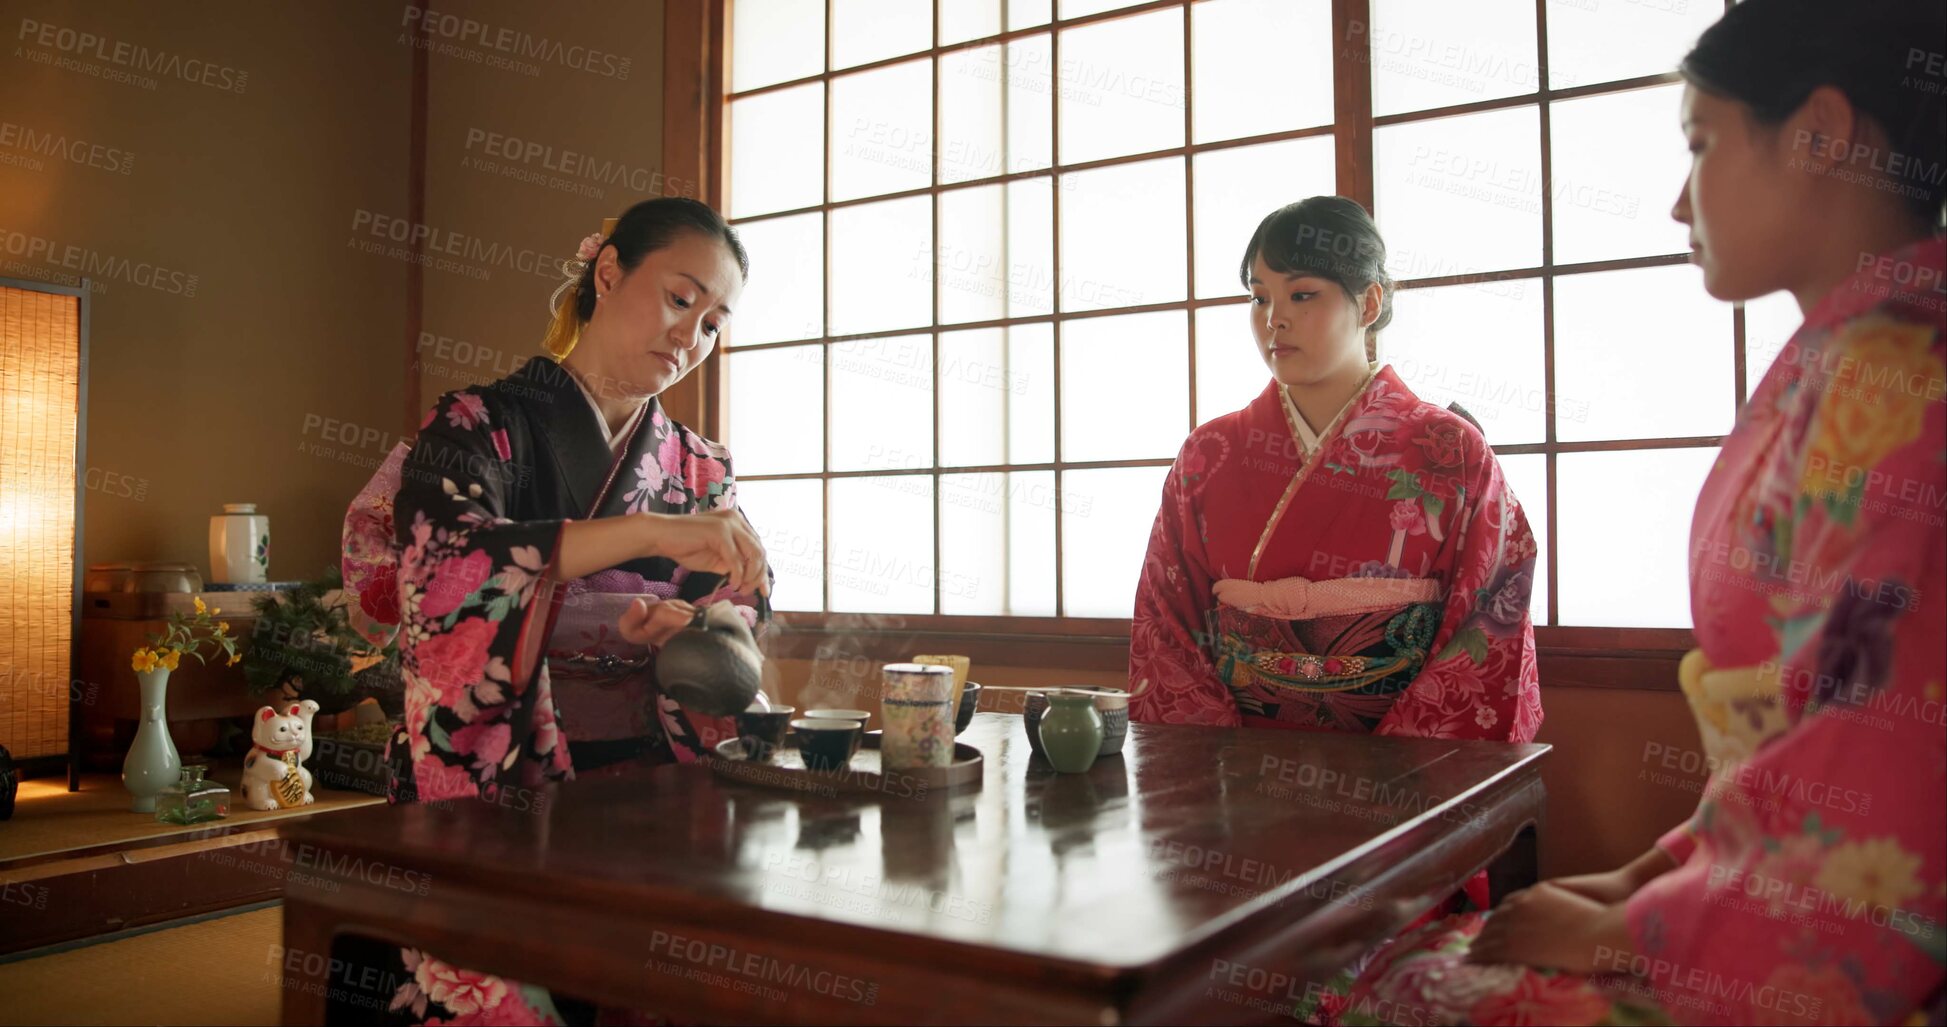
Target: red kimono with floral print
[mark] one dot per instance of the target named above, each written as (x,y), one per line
(1378,583)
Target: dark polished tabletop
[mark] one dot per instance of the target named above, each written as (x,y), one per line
(1106,896)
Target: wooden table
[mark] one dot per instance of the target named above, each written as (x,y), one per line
(1206,875)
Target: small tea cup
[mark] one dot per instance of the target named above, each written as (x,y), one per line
(826,743)
(969,701)
(762,730)
(858,717)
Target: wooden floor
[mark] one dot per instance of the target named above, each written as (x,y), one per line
(50,819)
(217,971)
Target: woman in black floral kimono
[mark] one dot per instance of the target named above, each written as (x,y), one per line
(535,544)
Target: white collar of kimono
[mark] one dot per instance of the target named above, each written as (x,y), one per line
(617,438)
(1307,438)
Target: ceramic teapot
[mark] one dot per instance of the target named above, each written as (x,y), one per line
(713,666)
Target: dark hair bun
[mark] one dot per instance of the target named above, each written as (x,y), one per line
(1328,236)
(1884,55)
(649,226)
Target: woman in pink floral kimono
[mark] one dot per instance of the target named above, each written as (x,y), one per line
(543,536)
(1811,884)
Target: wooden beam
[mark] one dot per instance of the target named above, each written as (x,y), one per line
(416,213)
(1640,659)
(1352,99)
(694,50)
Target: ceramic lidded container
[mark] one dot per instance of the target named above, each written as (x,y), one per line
(240,545)
(917,708)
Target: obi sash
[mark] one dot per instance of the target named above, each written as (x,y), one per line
(605,690)
(604,685)
(1738,709)
(1322,655)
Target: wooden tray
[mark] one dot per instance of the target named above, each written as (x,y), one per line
(865,775)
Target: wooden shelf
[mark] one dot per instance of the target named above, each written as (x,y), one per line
(78,864)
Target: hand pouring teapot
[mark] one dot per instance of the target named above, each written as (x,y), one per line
(713,666)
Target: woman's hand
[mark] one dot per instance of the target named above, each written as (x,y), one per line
(1553,928)
(1619,884)
(653,624)
(1608,887)
(715,542)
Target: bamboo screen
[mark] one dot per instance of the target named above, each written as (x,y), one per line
(40,368)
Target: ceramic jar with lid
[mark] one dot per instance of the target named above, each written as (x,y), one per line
(239,546)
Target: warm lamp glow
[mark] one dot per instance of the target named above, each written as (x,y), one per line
(40,375)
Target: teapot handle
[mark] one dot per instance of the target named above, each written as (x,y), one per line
(704,583)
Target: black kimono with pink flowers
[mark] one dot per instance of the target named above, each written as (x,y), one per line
(494,475)
(454,541)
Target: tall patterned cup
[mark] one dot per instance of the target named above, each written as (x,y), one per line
(917,708)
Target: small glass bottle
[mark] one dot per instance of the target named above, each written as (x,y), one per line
(192,800)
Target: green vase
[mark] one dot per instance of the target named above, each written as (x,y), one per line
(1071,732)
(152,763)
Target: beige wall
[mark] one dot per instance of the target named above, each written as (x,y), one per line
(527,164)
(229,320)
(1606,801)
(277,374)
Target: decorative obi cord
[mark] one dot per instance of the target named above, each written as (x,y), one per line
(1328,655)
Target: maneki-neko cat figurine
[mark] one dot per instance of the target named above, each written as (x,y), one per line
(273,773)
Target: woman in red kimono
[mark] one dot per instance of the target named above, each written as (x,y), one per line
(1339,555)
(1810,886)
(539,539)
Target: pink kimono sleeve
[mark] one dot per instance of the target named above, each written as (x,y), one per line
(475,591)
(1171,677)
(1678,843)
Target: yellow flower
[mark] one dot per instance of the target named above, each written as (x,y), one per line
(1876,871)
(170,658)
(232,661)
(200,608)
(144,660)
(222,627)
(1878,375)
(214,610)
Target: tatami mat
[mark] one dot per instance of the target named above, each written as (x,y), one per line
(217,971)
